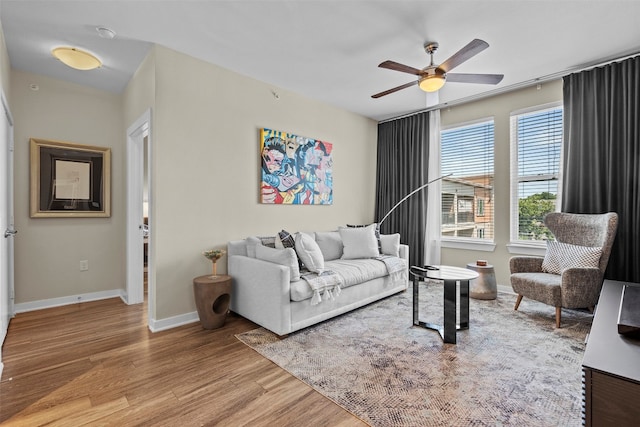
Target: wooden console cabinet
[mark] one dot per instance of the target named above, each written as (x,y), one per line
(611,367)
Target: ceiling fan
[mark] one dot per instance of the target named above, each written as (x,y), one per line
(432,77)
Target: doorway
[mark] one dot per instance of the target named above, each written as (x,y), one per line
(139,211)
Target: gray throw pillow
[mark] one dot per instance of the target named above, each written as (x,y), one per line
(284,239)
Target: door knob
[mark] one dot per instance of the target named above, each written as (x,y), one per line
(10,232)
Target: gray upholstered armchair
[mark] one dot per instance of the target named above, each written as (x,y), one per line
(571,273)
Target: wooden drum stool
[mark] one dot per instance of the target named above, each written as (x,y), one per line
(213,295)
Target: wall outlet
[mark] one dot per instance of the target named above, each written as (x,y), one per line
(84,265)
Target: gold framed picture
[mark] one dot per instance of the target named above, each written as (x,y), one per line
(69,180)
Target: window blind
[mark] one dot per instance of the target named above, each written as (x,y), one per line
(536,139)
(467,152)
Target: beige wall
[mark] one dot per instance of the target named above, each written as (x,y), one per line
(140,93)
(48,250)
(205,168)
(500,108)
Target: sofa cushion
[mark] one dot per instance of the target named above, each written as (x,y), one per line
(359,242)
(309,252)
(529,284)
(330,244)
(252,242)
(390,244)
(286,257)
(356,271)
(561,256)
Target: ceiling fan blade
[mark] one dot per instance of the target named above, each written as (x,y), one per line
(395,89)
(489,79)
(469,51)
(391,65)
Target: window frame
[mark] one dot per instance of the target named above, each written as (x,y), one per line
(516,245)
(472,243)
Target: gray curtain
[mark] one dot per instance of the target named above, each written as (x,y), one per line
(403,156)
(602,155)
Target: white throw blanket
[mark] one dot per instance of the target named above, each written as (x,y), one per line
(327,283)
(396,267)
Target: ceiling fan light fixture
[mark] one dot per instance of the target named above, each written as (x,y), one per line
(431,82)
(76,58)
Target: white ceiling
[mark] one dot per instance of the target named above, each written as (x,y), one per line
(324,49)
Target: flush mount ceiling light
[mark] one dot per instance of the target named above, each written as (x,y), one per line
(76,58)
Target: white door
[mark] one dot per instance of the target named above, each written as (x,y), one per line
(6,221)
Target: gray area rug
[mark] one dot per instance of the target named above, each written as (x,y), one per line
(510,368)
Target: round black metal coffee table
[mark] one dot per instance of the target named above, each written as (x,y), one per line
(451,277)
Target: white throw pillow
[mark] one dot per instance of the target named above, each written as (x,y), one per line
(390,244)
(309,253)
(561,256)
(286,257)
(359,242)
(330,244)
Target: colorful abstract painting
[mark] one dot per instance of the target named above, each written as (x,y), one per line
(295,170)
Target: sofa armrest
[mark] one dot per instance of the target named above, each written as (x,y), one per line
(404,254)
(261,292)
(237,247)
(525,264)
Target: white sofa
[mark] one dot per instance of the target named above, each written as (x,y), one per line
(264,293)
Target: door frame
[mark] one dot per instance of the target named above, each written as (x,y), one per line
(138,134)
(10,291)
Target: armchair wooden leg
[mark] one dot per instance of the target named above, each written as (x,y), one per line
(558,315)
(518,302)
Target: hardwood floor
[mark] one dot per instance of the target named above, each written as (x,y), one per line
(96,363)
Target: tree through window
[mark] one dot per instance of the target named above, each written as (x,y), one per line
(536,141)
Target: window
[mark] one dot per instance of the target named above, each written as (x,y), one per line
(467,195)
(536,141)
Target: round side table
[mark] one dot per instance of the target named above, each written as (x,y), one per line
(213,295)
(484,287)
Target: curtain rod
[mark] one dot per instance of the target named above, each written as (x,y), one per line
(516,86)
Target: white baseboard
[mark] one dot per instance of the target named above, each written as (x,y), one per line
(154,325)
(173,322)
(72,299)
